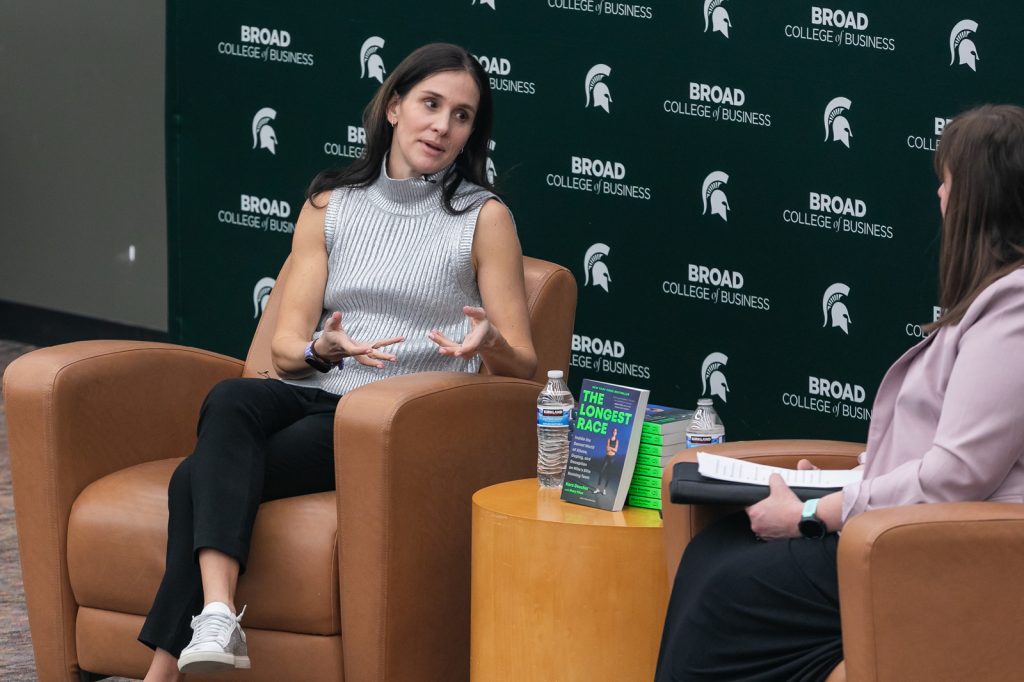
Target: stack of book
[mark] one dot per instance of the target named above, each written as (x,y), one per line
(604,444)
(663,435)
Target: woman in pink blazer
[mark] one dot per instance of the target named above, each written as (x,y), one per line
(756,595)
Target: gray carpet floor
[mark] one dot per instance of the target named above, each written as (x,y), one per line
(17,663)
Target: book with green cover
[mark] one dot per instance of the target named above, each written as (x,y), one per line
(649,460)
(646,485)
(644,470)
(634,500)
(663,421)
(604,445)
(669,439)
(662,451)
(663,435)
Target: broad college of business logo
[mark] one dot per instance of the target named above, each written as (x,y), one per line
(834,309)
(489,3)
(261,294)
(598,94)
(263,135)
(371,65)
(962,49)
(716,17)
(714,196)
(712,377)
(492,172)
(595,271)
(837,127)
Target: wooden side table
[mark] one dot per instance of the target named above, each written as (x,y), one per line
(563,592)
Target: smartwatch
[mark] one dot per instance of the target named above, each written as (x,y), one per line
(315,361)
(810,525)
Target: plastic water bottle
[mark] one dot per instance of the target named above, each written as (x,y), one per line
(554,415)
(706,427)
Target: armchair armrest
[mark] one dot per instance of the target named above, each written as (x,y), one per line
(683,521)
(75,413)
(410,452)
(932,592)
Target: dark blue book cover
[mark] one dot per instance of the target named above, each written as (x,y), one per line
(604,444)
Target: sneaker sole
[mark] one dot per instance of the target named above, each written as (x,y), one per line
(211,662)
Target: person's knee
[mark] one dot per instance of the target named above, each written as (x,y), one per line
(180,484)
(229,392)
(231,397)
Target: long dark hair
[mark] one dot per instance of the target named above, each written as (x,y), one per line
(983,229)
(422,63)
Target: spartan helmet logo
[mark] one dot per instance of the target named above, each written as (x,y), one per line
(836,124)
(492,173)
(718,17)
(260,294)
(961,46)
(598,94)
(713,194)
(370,63)
(711,375)
(489,3)
(262,132)
(833,307)
(594,267)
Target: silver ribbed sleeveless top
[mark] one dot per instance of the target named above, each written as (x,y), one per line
(399,265)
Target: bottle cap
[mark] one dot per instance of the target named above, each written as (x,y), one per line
(554,374)
(704,402)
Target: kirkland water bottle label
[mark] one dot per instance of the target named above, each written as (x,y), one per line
(696,441)
(553,416)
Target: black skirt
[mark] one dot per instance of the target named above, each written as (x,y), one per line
(743,610)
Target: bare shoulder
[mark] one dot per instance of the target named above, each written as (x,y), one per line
(495,220)
(495,210)
(309,227)
(317,204)
(314,210)
(495,239)
(495,229)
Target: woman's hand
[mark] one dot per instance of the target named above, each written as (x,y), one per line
(335,345)
(482,334)
(777,516)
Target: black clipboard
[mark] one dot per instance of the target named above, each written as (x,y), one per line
(689,487)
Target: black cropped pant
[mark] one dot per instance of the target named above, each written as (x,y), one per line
(749,611)
(258,440)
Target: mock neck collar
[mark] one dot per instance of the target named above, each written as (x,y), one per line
(409,196)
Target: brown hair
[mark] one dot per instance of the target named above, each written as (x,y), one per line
(422,63)
(983,229)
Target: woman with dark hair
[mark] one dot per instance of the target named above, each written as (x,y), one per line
(756,595)
(611,448)
(403,262)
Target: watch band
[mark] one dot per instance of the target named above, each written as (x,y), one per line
(810,526)
(317,361)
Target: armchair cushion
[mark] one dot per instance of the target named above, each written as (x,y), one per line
(117,538)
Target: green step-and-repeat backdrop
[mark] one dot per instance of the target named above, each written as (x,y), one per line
(743,189)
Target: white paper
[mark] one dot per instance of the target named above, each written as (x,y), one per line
(742,471)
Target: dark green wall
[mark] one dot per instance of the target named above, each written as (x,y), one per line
(644,222)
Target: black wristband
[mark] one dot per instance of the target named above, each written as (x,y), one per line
(315,360)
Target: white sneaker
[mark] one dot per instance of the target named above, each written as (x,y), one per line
(218,642)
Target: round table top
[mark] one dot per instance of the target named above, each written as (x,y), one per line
(524,499)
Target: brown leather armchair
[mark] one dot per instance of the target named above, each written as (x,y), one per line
(369,583)
(928,592)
